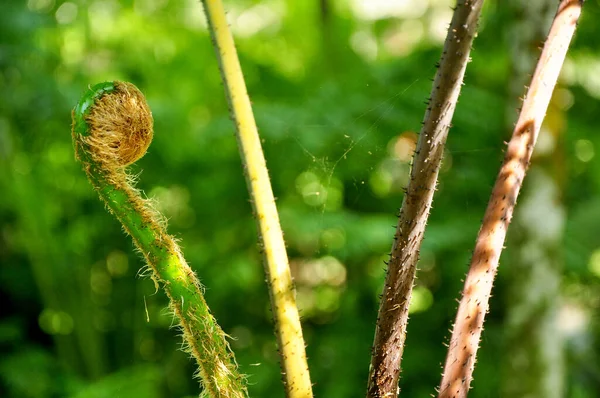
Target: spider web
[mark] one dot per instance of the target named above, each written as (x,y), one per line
(347,163)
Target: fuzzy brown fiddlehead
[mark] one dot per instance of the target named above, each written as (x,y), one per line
(112,128)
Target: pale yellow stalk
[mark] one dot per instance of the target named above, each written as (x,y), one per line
(283,301)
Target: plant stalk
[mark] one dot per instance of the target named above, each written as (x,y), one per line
(112,127)
(460,361)
(392,319)
(533,302)
(282,292)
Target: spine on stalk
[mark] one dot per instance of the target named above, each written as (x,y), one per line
(112,128)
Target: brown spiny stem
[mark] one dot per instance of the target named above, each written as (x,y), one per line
(393,311)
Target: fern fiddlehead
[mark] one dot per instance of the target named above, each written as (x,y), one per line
(112,128)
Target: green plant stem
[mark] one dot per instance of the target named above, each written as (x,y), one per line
(283,301)
(203,338)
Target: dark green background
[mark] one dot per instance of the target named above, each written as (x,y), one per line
(332,90)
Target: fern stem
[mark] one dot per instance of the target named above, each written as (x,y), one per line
(390,333)
(283,301)
(462,352)
(112,127)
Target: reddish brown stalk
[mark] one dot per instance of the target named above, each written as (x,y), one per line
(464,343)
(393,311)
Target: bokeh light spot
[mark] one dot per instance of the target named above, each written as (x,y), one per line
(421,300)
(66,13)
(40,5)
(584,150)
(333,238)
(404,146)
(55,322)
(594,264)
(117,263)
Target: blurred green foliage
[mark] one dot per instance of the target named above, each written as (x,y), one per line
(338,90)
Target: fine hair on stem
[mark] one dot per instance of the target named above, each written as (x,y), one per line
(112,128)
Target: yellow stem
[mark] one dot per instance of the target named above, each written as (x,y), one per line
(282,291)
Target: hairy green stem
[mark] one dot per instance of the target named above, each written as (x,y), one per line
(112,127)
(283,295)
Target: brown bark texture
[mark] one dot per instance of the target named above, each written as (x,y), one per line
(460,361)
(393,310)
